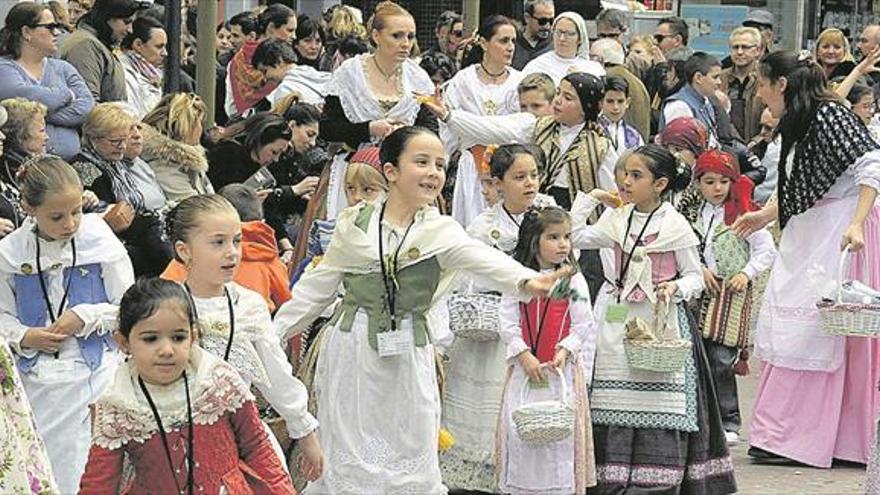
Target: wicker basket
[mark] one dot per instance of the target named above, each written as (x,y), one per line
(668,353)
(848,319)
(546,421)
(474,316)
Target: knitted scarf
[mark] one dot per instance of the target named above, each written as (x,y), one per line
(834,141)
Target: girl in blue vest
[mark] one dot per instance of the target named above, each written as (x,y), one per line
(548,341)
(62,275)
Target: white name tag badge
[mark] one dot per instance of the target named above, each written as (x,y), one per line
(394,343)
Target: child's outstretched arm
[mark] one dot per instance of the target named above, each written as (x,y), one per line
(103,471)
(309,298)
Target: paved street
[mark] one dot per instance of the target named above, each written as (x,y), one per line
(754,479)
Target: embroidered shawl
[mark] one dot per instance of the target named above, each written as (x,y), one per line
(834,141)
(349,83)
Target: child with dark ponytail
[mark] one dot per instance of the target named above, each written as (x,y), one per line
(663,423)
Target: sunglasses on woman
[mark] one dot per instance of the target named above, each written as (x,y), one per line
(51,26)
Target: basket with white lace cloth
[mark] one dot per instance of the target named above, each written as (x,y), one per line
(855,309)
(546,421)
(474,315)
(655,347)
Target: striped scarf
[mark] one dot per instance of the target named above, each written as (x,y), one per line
(152,73)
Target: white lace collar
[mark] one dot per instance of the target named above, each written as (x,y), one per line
(122,414)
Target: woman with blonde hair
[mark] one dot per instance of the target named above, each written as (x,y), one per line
(343,23)
(25,131)
(172,133)
(102,170)
(833,54)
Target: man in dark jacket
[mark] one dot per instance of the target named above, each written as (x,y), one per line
(534,39)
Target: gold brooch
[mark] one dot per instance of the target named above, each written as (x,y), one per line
(413,253)
(495,234)
(26,268)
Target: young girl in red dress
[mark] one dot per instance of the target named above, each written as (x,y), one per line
(182,417)
(548,341)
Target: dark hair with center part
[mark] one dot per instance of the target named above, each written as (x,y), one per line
(145,297)
(487,30)
(616,83)
(534,223)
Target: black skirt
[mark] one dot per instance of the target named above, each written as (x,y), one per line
(650,461)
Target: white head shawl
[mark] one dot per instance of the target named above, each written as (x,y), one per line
(583,50)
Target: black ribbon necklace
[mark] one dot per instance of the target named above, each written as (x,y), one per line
(535,340)
(190,448)
(510,216)
(390,283)
(493,76)
(52,315)
(231,310)
(638,239)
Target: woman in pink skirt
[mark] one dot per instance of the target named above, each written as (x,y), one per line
(817,398)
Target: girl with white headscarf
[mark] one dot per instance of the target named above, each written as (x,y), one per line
(571,50)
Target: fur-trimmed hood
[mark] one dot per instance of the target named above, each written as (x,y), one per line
(161,150)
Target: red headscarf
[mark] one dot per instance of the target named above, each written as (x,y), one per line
(687,133)
(367,156)
(739,200)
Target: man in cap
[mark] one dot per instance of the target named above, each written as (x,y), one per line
(763,21)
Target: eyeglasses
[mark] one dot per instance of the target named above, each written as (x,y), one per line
(660,37)
(741,48)
(118,142)
(542,21)
(609,35)
(51,26)
(559,33)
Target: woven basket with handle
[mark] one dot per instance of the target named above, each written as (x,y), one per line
(848,319)
(545,421)
(667,353)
